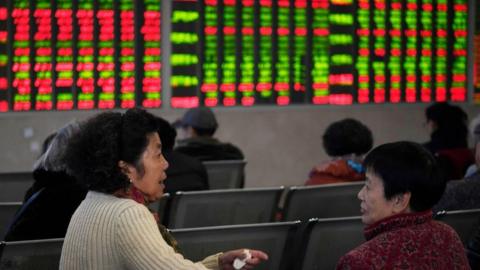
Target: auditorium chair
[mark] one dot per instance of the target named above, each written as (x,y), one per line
(322,201)
(223,207)
(14,185)
(463,221)
(225,174)
(326,240)
(273,238)
(33,254)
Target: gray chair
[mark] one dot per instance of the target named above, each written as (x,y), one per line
(160,206)
(464,222)
(223,207)
(7,213)
(33,254)
(14,185)
(273,238)
(323,201)
(225,174)
(326,240)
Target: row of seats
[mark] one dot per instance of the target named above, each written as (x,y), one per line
(222,174)
(315,244)
(244,206)
(256,205)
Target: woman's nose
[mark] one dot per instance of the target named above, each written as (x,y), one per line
(360,194)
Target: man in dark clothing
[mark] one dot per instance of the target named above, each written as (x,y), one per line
(199,125)
(184,173)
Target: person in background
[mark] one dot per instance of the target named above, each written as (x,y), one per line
(115,154)
(184,173)
(54,196)
(403,183)
(198,125)
(447,125)
(464,194)
(346,142)
(474,128)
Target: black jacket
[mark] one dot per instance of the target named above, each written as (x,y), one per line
(48,215)
(184,173)
(207,148)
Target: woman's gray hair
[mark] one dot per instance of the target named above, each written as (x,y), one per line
(52,158)
(475,129)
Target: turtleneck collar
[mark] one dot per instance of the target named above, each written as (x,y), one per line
(397,222)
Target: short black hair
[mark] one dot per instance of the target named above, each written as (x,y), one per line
(451,124)
(407,167)
(93,153)
(347,136)
(167,134)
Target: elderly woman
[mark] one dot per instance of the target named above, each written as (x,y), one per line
(50,202)
(346,142)
(402,185)
(115,154)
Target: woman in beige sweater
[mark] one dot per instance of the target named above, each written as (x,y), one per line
(112,153)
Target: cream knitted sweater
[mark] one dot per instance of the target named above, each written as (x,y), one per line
(107,232)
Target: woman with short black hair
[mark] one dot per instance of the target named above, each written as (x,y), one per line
(403,183)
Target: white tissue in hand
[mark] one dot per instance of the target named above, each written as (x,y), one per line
(240,263)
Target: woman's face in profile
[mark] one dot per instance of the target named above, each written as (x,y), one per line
(374,206)
(154,164)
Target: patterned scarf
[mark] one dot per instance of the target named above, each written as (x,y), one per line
(133,193)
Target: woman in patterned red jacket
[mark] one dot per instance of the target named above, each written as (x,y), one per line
(403,183)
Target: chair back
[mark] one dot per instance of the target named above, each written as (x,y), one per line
(14,185)
(464,222)
(323,201)
(223,207)
(273,238)
(7,213)
(327,240)
(225,174)
(33,254)
(160,206)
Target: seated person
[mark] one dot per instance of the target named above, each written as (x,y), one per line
(198,126)
(50,202)
(184,173)
(474,132)
(115,155)
(403,183)
(447,125)
(346,142)
(463,194)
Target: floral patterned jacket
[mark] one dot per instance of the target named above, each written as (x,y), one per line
(407,241)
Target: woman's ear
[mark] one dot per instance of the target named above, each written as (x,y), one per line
(125,168)
(402,203)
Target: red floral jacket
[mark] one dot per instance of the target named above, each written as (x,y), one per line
(334,171)
(408,241)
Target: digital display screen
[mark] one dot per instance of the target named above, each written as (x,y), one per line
(254,52)
(104,54)
(3,58)
(82,54)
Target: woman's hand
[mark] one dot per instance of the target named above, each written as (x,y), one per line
(226,260)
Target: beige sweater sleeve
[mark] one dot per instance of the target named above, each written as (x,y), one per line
(142,246)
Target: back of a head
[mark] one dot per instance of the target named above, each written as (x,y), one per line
(475,129)
(201,119)
(407,167)
(347,136)
(167,134)
(52,157)
(94,152)
(450,123)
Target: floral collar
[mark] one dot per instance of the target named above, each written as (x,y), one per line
(397,222)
